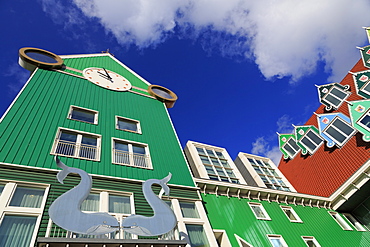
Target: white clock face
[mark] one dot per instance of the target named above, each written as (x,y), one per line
(107,79)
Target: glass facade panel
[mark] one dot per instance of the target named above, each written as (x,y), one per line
(27,197)
(197,236)
(189,210)
(16,231)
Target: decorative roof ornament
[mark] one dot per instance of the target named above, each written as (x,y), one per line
(308,138)
(333,95)
(288,145)
(360,115)
(367,30)
(66,212)
(365,54)
(362,83)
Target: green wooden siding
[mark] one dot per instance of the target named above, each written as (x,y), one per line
(28,130)
(56,189)
(235,216)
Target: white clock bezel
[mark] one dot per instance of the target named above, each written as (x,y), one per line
(115,83)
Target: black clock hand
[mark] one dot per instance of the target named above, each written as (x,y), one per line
(107,74)
(105,77)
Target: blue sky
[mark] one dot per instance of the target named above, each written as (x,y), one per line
(242,69)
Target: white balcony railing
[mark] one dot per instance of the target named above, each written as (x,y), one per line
(73,149)
(133,159)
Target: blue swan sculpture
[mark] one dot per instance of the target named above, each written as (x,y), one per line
(163,220)
(65,211)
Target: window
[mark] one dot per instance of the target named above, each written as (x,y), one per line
(77,144)
(277,241)
(268,175)
(242,242)
(83,114)
(259,211)
(21,208)
(310,241)
(335,97)
(340,221)
(291,214)
(364,121)
(130,153)
(366,88)
(197,235)
(216,165)
(354,222)
(339,131)
(127,124)
(312,141)
(189,210)
(291,148)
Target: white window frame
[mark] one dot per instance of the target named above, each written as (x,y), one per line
(362,89)
(5,199)
(78,144)
(242,242)
(288,208)
(287,143)
(279,237)
(333,95)
(317,145)
(339,130)
(354,222)
(341,222)
(251,204)
(138,127)
(96,113)
(367,113)
(131,153)
(308,238)
(103,207)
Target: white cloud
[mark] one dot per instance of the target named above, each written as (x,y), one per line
(284,124)
(262,147)
(286,38)
(17,75)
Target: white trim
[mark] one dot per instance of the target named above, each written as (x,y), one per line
(279,237)
(354,222)
(347,137)
(242,242)
(85,109)
(138,127)
(362,89)
(287,143)
(361,118)
(288,208)
(225,242)
(341,222)
(310,238)
(317,145)
(333,95)
(260,206)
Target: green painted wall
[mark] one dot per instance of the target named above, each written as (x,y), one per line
(235,216)
(28,130)
(56,189)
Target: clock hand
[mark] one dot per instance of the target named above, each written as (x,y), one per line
(107,74)
(105,77)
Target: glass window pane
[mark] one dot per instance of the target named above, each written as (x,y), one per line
(138,149)
(258,211)
(27,197)
(335,134)
(230,173)
(289,213)
(215,162)
(333,100)
(1,188)
(220,172)
(119,204)
(220,155)
(210,153)
(210,170)
(235,181)
(17,231)
(197,236)
(257,169)
(189,210)
(267,164)
(366,120)
(309,144)
(251,161)
(213,177)
(67,136)
(289,149)
(340,94)
(125,124)
(89,140)
(83,115)
(293,144)
(276,242)
(224,163)
(343,127)
(201,151)
(91,203)
(205,160)
(366,88)
(121,146)
(314,137)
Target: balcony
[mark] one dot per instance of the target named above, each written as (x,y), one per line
(72,149)
(131,159)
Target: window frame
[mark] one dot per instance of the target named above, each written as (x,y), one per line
(367,113)
(341,132)
(306,238)
(137,122)
(6,210)
(77,145)
(298,219)
(266,216)
(287,143)
(130,153)
(279,237)
(333,95)
(242,242)
(96,114)
(354,222)
(341,222)
(317,146)
(362,89)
